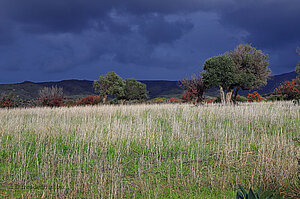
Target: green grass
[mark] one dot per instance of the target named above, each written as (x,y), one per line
(148,151)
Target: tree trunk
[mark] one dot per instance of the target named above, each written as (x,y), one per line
(199,99)
(228,96)
(122,101)
(105,98)
(222,95)
(235,94)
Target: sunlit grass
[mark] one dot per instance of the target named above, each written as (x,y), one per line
(147,151)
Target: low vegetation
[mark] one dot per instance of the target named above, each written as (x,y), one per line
(149,151)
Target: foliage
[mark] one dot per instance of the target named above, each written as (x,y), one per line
(188,97)
(113,84)
(159,100)
(290,90)
(297,69)
(220,71)
(51,96)
(251,66)
(134,90)
(241,99)
(193,87)
(254,97)
(274,98)
(174,100)
(109,84)
(10,100)
(250,194)
(52,102)
(89,100)
(209,101)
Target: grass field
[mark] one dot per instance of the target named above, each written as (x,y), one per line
(148,151)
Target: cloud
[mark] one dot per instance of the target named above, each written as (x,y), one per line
(270,24)
(53,38)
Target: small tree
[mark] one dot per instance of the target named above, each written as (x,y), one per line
(194,88)
(133,90)
(109,84)
(51,96)
(220,71)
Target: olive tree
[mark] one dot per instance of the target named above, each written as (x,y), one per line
(109,84)
(220,71)
(251,67)
(134,90)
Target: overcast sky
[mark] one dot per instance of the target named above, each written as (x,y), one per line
(42,40)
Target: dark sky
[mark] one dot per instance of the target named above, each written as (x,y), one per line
(42,40)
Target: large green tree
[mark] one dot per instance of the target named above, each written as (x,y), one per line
(220,71)
(109,84)
(251,67)
(134,90)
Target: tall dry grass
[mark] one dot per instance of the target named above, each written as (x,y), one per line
(148,151)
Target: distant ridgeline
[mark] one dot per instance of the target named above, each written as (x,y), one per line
(157,88)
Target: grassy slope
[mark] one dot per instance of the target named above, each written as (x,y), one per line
(142,151)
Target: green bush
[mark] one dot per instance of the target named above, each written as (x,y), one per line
(241,99)
(274,98)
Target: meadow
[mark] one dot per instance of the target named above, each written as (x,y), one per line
(149,151)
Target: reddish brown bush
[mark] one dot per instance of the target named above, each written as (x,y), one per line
(289,90)
(174,100)
(52,102)
(89,100)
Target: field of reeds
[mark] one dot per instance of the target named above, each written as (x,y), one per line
(149,151)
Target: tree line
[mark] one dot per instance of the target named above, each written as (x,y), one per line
(244,68)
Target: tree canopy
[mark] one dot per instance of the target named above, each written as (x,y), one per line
(113,84)
(134,90)
(220,71)
(251,66)
(243,68)
(109,84)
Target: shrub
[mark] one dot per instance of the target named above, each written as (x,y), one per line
(188,97)
(89,100)
(275,98)
(209,101)
(159,100)
(241,98)
(52,102)
(290,90)
(174,100)
(51,96)
(254,97)
(10,101)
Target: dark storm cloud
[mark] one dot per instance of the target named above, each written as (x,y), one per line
(61,38)
(157,30)
(270,23)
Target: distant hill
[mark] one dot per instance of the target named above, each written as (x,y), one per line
(157,88)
